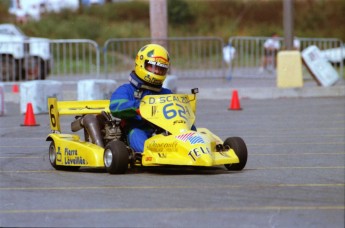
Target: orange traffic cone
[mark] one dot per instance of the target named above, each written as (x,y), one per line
(15,88)
(29,120)
(235,102)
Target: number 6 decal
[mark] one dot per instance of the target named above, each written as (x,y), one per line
(52,116)
(171,113)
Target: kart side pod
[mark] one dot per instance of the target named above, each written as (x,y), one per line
(67,151)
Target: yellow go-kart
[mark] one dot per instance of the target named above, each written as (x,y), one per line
(172,144)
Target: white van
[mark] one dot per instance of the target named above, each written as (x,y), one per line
(22,57)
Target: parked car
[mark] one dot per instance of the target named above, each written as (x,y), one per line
(22,57)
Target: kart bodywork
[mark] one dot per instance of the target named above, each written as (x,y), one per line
(68,150)
(174,143)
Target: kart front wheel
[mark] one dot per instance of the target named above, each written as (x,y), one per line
(240,148)
(116,157)
(53,156)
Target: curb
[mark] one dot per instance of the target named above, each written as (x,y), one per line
(269,93)
(226,93)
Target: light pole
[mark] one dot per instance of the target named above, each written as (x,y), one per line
(288,23)
(159,21)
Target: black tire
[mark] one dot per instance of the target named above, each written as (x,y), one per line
(37,69)
(8,68)
(53,156)
(44,70)
(116,157)
(240,148)
(20,71)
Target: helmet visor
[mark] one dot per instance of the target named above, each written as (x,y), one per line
(156,67)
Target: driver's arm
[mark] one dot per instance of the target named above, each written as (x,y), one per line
(123,104)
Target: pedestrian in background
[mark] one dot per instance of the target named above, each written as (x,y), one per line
(271,48)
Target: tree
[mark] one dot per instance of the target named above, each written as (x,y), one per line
(179,12)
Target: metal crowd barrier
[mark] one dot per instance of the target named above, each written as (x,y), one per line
(61,59)
(247,60)
(75,59)
(24,60)
(191,57)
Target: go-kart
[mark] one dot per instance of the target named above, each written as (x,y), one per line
(173,143)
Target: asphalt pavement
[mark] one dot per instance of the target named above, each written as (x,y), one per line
(294,176)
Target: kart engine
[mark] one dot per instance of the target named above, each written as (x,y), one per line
(100,128)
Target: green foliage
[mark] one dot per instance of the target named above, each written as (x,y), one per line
(222,18)
(179,12)
(121,30)
(320,18)
(4,5)
(124,11)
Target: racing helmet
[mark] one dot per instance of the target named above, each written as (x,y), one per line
(151,66)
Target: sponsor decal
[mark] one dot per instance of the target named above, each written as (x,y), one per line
(165,99)
(75,161)
(179,121)
(185,137)
(70,152)
(152,80)
(153,110)
(158,64)
(162,146)
(58,155)
(72,157)
(191,137)
(197,152)
(162,155)
(196,139)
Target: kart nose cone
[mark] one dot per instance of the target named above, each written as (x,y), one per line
(205,161)
(108,158)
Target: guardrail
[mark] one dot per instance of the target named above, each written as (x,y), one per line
(247,61)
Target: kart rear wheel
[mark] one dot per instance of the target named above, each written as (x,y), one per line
(240,148)
(116,157)
(53,156)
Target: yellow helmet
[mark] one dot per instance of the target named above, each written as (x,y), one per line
(151,66)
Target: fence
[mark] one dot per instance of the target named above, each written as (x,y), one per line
(75,59)
(248,59)
(191,57)
(20,60)
(38,59)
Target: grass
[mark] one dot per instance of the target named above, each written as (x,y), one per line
(222,18)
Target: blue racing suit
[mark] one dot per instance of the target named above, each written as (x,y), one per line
(124,103)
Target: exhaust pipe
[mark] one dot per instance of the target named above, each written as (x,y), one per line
(91,125)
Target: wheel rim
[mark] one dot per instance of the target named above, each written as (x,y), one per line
(108,158)
(52,154)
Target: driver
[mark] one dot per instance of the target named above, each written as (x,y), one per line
(151,66)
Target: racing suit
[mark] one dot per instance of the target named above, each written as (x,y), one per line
(124,103)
